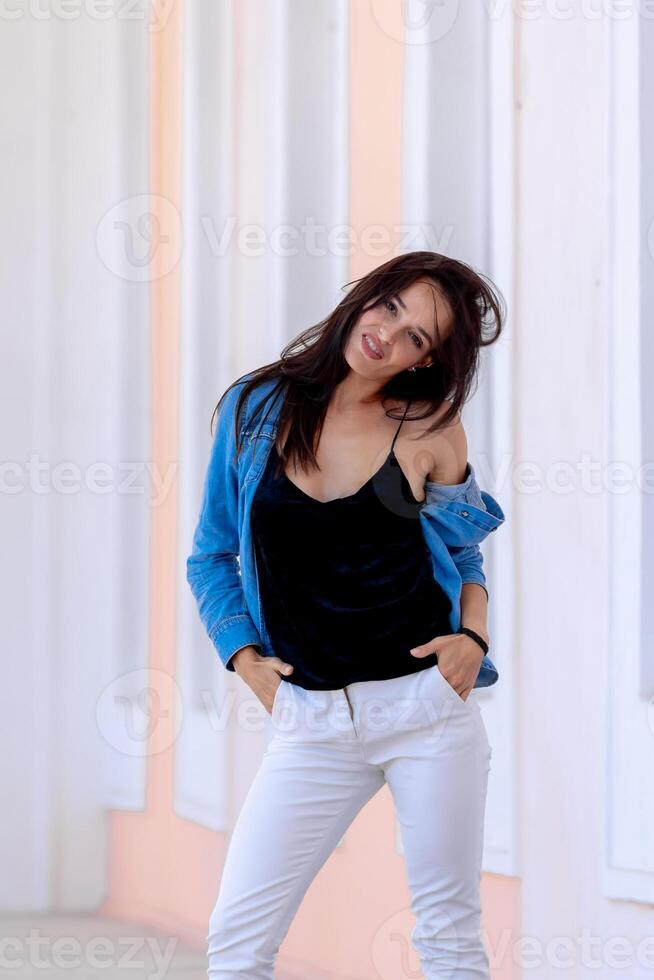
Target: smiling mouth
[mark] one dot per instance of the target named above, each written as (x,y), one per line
(371,344)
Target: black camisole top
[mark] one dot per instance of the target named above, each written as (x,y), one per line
(346,585)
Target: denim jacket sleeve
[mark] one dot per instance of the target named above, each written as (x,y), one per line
(212,569)
(468,558)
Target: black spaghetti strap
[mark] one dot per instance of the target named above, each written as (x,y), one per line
(397,431)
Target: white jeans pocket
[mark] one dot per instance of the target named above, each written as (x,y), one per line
(276,697)
(448,687)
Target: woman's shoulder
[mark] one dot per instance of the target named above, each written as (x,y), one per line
(255,398)
(443,451)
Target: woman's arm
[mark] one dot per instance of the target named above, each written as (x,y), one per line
(212,569)
(474,610)
(452,478)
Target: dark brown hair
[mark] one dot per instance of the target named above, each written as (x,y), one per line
(313,363)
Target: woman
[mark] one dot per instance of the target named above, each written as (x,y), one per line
(358,613)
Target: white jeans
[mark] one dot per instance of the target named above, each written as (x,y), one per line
(331,751)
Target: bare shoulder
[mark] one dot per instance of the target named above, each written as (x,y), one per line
(441,456)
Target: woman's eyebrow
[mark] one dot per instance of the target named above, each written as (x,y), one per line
(418,327)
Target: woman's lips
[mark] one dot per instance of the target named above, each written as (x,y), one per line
(366,348)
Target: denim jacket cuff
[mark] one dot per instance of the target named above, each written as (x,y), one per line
(232,634)
(468,490)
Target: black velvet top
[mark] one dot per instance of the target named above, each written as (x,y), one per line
(347,585)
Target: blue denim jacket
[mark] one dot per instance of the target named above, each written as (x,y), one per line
(221,569)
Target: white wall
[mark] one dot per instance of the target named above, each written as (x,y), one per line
(585,749)
(75,392)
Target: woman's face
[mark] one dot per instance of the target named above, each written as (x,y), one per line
(402,330)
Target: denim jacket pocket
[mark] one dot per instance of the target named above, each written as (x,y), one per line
(257,443)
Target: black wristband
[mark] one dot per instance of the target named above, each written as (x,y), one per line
(475,636)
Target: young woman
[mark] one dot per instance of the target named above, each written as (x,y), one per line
(339,475)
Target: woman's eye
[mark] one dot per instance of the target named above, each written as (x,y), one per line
(417,341)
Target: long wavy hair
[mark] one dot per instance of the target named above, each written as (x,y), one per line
(313,363)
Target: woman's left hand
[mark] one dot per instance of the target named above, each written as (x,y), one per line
(459,659)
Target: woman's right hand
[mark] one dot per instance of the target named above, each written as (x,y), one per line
(261,674)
